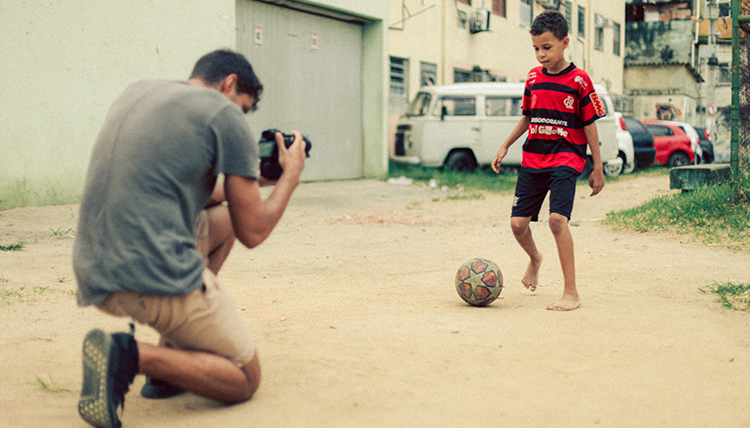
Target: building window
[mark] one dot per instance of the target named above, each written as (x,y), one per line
(399,73)
(527,13)
(460,76)
(568,7)
(498,7)
(581,22)
(465,2)
(427,74)
(599,33)
(616,39)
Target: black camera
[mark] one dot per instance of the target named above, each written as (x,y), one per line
(269,153)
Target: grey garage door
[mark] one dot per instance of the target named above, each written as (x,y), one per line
(310,68)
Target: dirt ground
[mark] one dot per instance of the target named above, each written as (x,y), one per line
(358,323)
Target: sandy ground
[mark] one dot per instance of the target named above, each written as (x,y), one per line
(358,324)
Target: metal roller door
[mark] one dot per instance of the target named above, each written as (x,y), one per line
(310,67)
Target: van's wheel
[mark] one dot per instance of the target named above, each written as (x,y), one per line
(678,159)
(461,161)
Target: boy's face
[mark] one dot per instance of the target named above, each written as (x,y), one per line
(549,51)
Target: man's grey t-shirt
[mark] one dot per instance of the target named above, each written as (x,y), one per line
(152,170)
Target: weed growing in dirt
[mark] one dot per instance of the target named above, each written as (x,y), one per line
(713,214)
(59,233)
(731,295)
(16,246)
(51,385)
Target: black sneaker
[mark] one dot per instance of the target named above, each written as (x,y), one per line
(110,363)
(158,389)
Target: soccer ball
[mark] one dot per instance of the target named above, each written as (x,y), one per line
(479,282)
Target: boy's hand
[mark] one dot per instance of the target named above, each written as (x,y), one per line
(596,180)
(498,159)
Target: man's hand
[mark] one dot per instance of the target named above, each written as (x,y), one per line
(498,159)
(292,160)
(596,180)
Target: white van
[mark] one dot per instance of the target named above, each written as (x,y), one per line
(462,126)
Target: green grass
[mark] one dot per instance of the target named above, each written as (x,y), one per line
(731,296)
(713,215)
(482,180)
(50,385)
(23,193)
(16,246)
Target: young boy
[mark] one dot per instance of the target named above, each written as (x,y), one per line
(560,108)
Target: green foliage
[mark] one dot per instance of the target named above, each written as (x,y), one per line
(731,295)
(22,193)
(713,214)
(16,246)
(59,233)
(480,180)
(51,385)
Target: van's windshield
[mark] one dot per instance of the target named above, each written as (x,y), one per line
(420,106)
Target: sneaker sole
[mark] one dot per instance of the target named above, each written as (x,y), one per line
(93,405)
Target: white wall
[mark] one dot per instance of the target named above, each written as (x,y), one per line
(64,62)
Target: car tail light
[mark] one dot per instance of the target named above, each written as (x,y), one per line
(708,134)
(622,124)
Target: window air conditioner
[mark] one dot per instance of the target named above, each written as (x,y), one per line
(480,20)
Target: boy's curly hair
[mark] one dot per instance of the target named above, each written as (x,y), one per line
(551,21)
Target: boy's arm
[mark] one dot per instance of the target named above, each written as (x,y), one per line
(596,179)
(523,126)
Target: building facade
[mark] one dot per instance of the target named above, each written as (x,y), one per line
(450,41)
(66,61)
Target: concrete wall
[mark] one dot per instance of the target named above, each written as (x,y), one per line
(64,62)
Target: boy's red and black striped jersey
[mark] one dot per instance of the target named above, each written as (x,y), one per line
(559,105)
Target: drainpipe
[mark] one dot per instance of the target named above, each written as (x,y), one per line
(442,42)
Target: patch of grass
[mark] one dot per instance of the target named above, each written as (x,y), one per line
(479,180)
(51,385)
(713,215)
(59,233)
(37,193)
(24,294)
(16,246)
(731,295)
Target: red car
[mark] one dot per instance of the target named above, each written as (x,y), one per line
(673,146)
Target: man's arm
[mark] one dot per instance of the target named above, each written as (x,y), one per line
(596,179)
(253,219)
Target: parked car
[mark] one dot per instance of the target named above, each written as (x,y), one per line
(673,146)
(643,142)
(625,150)
(695,140)
(706,143)
(461,126)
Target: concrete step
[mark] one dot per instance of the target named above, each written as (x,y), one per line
(691,177)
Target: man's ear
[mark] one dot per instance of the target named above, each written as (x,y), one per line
(565,43)
(228,85)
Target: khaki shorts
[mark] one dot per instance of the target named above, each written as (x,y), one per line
(205,319)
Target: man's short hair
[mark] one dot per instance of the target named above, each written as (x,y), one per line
(217,65)
(551,21)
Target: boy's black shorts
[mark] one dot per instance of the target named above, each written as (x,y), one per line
(532,188)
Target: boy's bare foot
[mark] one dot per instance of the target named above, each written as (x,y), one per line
(531,277)
(566,303)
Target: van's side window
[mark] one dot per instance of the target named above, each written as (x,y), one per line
(505,106)
(455,106)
